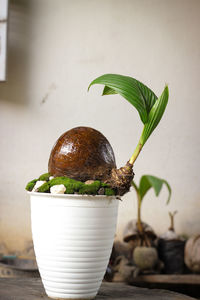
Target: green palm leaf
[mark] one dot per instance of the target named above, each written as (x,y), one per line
(138,94)
(149,181)
(108,91)
(155,115)
(150,107)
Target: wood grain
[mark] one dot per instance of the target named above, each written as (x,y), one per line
(178,279)
(32,289)
(169,279)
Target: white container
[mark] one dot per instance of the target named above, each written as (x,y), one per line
(73,237)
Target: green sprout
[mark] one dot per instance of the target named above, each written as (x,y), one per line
(149,107)
(146,183)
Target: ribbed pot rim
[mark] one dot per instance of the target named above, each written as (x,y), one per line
(66,196)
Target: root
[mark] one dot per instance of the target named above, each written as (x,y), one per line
(121,179)
(143,240)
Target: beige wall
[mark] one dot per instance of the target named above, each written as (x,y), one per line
(55,49)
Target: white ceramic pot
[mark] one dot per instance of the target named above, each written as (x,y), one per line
(73,237)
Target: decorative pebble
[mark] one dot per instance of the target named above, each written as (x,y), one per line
(38,184)
(51,177)
(58,189)
(89,181)
(101,191)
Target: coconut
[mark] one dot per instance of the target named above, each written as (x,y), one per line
(82,153)
(131,232)
(192,253)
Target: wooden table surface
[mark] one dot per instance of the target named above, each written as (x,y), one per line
(32,289)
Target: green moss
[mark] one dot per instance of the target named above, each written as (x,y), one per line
(44,188)
(103,184)
(44,177)
(109,192)
(90,189)
(72,186)
(30,185)
(69,190)
(67,182)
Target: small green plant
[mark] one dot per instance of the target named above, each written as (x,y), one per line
(146,183)
(150,109)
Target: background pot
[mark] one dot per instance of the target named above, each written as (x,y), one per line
(171,252)
(73,237)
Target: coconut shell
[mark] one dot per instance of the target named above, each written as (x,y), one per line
(82,153)
(192,253)
(131,231)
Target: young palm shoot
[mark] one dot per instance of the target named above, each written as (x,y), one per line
(146,183)
(172,215)
(150,109)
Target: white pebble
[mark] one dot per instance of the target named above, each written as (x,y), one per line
(58,189)
(51,177)
(38,184)
(89,181)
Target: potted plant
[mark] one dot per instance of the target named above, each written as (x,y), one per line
(74,206)
(171,249)
(144,253)
(74,221)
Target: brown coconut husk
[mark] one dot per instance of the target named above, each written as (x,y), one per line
(120,179)
(135,237)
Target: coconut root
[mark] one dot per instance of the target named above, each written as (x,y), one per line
(120,179)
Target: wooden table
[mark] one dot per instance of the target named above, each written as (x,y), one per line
(176,279)
(32,289)
(193,279)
